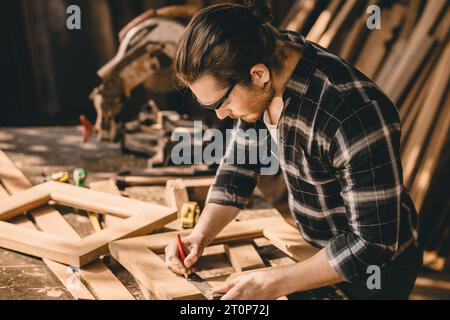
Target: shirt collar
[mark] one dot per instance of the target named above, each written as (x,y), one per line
(301,77)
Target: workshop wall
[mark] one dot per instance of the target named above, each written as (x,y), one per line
(49,71)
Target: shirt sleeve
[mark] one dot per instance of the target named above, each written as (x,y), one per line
(365,153)
(239,169)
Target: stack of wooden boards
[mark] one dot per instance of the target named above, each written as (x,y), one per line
(409,59)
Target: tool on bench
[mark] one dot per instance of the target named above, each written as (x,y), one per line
(61,176)
(79,176)
(204,287)
(190,212)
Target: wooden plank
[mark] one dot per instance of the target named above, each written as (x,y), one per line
(337,23)
(96,276)
(107,186)
(375,49)
(12,178)
(152,272)
(38,243)
(412,150)
(396,52)
(409,107)
(235,231)
(323,21)
(23,202)
(422,181)
(243,257)
(288,239)
(176,194)
(100,202)
(96,245)
(212,250)
(356,37)
(3,193)
(299,15)
(103,283)
(51,221)
(415,51)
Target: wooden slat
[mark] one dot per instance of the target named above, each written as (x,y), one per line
(375,49)
(152,272)
(176,194)
(243,257)
(415,51)
(323,21)
(38,243)
(412,150)
(299,14)
(100,202)
(337,23)
(107,186)
(407,110)
(96,245)
(355,38)
(23,201)
(235,231)
(288,239)
(397,50)
(429,163)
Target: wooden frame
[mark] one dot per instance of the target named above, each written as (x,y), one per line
(140,255)
(177,191)
(141,218)
(96,279)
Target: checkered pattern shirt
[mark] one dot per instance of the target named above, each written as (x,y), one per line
(339,151)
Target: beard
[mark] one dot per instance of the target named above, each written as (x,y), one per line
(261,101)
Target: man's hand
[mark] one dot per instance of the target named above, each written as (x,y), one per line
(311,273)
(192,247)
(212,220)
(258,285)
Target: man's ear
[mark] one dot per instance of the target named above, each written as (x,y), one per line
(260,75)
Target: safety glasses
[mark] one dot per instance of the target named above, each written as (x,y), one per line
(219,103)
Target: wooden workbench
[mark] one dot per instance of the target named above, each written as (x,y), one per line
(38,151)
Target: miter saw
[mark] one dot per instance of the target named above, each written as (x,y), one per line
(144,61)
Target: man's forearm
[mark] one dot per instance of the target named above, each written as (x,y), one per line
(213,219)
(312,273)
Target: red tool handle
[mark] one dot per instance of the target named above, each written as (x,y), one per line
(180,249)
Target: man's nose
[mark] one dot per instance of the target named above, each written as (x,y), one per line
(222,113)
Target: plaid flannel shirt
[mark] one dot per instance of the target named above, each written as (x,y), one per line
(339,151)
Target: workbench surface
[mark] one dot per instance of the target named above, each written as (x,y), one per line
(42,151)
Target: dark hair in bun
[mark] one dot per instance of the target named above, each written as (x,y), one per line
(226,41)
(260,9)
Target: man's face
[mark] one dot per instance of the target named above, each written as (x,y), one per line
(245,102)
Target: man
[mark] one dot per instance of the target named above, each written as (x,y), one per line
(338,139)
